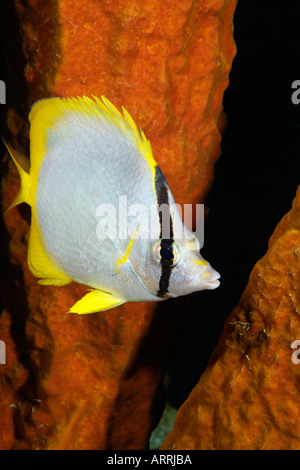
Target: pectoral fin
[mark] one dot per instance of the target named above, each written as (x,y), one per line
(124,258)
(95,301)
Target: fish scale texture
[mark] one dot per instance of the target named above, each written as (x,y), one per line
(94,382)
(248,397)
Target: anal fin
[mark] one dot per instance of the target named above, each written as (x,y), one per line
(40,263)
(95,301)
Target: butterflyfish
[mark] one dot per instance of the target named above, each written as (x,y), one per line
(85,158)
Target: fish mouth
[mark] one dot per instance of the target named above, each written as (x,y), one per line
(212,284)
(212,278)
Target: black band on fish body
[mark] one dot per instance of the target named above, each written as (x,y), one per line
(166,247)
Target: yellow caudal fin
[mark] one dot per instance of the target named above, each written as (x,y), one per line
(39,262)
(95,301)
(23,166)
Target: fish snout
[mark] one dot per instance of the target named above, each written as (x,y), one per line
(211,278)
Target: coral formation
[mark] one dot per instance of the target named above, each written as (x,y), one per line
(93,382)
(239,402)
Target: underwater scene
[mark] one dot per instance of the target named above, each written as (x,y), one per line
(150,227)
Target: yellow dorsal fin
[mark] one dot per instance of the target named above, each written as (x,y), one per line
(127,125)
(95,301)
(23,166)
(45,112)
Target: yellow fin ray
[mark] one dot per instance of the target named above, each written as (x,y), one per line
(124,258)
(95,301)
(40,263)
(126,124)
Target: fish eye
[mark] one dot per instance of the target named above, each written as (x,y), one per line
(166,252)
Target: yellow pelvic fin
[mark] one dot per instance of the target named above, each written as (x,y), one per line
(124,257)
(40,263)
(23,166)
(95,301)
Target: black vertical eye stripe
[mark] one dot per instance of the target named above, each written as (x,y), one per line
(162,195)
(166,252)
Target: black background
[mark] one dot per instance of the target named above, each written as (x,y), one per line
(256,176)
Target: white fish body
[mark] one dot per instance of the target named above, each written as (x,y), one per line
(85,157)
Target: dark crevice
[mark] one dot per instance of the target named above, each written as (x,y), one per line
(256,176)
(13,295)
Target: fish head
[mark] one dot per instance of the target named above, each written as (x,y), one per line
(192,273)
(173,267)
(181,262)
